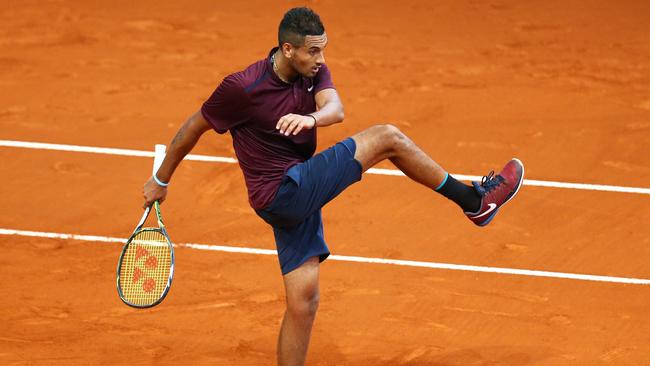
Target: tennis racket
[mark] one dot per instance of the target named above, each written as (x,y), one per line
(146,266)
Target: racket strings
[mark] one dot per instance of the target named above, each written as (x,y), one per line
(145,267)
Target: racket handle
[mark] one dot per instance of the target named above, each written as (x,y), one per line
(159,156)
(144,217)
(156,206)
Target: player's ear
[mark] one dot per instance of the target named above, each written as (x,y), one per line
(287,49)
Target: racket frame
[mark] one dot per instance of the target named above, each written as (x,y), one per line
(161,229)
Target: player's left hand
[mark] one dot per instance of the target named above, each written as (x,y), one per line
(294,123)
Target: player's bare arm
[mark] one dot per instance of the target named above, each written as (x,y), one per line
(330,108)
(330,111)
(184,141)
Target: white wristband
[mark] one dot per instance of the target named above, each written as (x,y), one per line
(158,182)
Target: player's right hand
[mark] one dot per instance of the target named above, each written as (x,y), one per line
(294,123)
(153,192)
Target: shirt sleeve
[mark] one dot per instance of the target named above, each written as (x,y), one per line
(323,80)
(229,106)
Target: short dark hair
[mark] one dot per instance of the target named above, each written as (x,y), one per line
(298,23)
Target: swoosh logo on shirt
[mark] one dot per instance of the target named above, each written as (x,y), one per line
(310,88)
(492,207)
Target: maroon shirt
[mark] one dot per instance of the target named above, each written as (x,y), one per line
(249,104)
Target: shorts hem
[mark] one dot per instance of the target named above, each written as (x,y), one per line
(290,268)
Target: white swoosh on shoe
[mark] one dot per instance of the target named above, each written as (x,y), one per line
(493,206)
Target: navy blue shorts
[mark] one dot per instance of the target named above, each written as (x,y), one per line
(295,212)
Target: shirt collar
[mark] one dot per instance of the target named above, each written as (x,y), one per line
(269,67)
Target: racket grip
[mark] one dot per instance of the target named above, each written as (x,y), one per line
(159,156)
(144,217)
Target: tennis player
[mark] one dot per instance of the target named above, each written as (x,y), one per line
(273,109)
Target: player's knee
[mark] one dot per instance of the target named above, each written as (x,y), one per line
(393,137)
(305,305)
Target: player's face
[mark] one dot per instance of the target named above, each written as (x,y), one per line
(308,58)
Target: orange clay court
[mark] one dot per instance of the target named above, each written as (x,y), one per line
(562,85)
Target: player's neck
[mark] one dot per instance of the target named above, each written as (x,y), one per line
(282,68)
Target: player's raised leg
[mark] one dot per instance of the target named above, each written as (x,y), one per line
(301,286)
(382,142)
(480,202)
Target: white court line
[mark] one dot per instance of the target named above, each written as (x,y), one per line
(106,150)
(344,258)
(393,172)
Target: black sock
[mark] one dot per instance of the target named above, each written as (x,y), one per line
(462,194)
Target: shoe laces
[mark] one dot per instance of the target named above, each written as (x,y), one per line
(488,183)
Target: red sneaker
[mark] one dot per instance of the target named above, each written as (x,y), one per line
(496,191)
